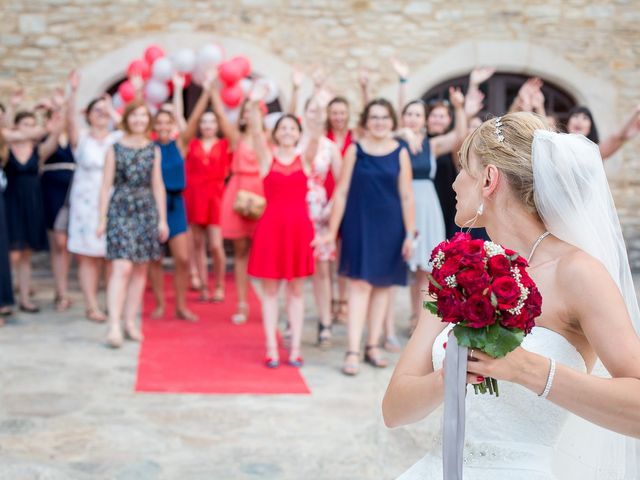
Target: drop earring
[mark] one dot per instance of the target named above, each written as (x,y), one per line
(480,209)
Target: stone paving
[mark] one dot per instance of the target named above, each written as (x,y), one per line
(68,410)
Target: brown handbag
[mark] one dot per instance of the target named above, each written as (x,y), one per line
(249,205)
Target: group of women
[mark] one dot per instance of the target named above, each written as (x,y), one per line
(294,202)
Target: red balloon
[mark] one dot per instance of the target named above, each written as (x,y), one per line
(152,53)
(230,72)
(187,80)
(243,65)
(231,95)
(140,68)
(127,91)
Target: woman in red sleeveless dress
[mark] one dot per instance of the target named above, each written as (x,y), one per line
(207,165)
(282,241)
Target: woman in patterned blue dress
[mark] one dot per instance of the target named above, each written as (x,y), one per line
(134,219)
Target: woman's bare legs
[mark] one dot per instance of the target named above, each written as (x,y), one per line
(295,312)
(199,252)
(88,276)
(241,247)
(322,293)
(359,294)
(60,263)
(270,316)
(156,278)
(378,306)
(133,303)
(21,259)
(116,294)
(219,260)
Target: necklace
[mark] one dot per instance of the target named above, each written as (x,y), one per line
(536,243)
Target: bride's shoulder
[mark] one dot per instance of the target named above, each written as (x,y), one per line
(580,272)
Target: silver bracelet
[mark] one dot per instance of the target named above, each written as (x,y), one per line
(552,373)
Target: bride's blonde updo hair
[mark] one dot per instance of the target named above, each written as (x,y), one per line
(507,145)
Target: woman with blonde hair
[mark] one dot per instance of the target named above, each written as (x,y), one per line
(134,218)
(545,195)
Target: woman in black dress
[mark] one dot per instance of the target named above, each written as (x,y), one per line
(23,198)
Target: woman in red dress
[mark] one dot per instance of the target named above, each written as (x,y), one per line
(207,165)
(245,175)
(282,240)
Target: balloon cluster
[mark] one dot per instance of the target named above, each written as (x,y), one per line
(156,70)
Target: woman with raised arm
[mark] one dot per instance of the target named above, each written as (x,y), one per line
(172,152)
(281,248)
(374,211)
(245,176)
(207,166)
(327,161)
(581,122)
(22,160)
(133,217)
(530,187)
(57,173)
(89,150)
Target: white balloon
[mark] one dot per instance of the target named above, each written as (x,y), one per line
(198,75)
(209,56)
(156,91)
(162,69)
(272,89)
(270,119)
(117,101)
(232,114)
(184,61)
(245,85)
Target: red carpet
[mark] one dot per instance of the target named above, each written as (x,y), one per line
(212,355)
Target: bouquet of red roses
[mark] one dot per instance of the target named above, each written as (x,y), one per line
(485,290)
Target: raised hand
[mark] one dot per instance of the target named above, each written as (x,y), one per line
(57,98)
(319,77)
(634,127)
(363,77)
(210,78)
(258,92)
(178,81)
(74,80)
(456,97)
(481,74)
(473,102)
(297,77)
(137,82)
(401,68)
(16,97)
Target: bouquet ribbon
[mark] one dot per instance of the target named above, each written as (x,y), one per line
(455,380)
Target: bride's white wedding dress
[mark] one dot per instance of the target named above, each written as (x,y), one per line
(510,437)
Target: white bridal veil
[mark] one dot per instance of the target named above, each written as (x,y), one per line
(574,201)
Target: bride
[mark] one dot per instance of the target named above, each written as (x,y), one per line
(520,181)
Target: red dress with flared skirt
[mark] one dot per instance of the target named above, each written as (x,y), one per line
(281,247)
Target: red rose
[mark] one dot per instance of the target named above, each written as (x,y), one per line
(506,291)
(466,246)
(450,305)
(478,311)
(474,279)
(533,304)
(499,266)
(451,266)
(519,260)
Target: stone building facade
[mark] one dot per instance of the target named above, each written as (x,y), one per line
(589,48)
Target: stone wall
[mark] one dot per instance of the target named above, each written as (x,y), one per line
(41,40)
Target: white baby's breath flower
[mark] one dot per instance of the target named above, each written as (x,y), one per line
(493,249)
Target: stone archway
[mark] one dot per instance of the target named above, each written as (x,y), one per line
(516,57)
(97,76)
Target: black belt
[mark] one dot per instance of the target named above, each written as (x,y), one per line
(172,196)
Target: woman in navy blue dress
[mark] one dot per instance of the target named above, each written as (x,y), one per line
(6,285)
(173,137)
(55,181)
(23,199)
(374,211)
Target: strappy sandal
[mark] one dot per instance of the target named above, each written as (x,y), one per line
(204,296)
(374,360)
(218,295)
(351,368)
(324,336)
(95,315)
(131,332)
(62,304)
(28,308)
(186,315)
(341,313)
(242,315)
(5,311)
